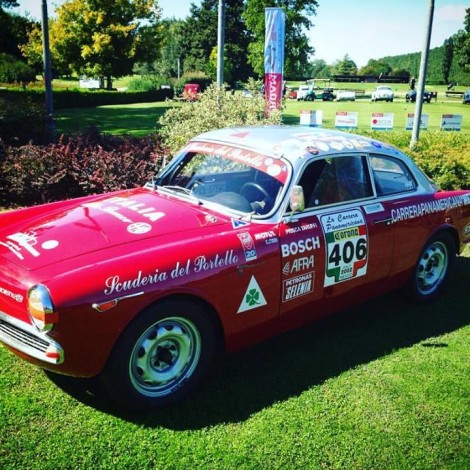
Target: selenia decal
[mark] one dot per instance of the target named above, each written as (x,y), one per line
(253,297)
(346,246)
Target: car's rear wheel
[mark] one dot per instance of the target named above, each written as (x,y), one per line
(161,357)
(432,269)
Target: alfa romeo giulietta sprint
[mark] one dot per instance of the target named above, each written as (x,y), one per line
(246,233)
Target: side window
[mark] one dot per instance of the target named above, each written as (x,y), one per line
(391,175)
(336,179)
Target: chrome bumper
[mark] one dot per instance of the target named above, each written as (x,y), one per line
(26,339)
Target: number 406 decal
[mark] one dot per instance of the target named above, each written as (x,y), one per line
(346,246)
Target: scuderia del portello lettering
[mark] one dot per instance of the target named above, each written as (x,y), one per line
(115,284)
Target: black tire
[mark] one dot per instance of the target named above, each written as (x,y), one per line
(431,273)
(161,357)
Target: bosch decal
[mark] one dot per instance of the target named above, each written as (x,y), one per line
(300,246)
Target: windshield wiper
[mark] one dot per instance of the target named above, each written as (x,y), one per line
(181,189)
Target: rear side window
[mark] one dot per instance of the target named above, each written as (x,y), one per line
(391,175)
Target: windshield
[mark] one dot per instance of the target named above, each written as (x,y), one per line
(234,178)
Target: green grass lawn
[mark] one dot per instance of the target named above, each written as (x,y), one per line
(384,385)
(141,119)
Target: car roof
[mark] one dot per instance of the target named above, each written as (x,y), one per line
(295,142)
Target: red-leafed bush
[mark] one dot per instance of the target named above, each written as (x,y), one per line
(76,166)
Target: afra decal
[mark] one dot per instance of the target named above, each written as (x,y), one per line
(346,246)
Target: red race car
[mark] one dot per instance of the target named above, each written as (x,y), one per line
(246,233)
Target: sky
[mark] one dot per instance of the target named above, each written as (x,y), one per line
(363,29)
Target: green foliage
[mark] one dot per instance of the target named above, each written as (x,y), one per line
(13,70)
(21,120)
(299,14)
(443,156)
(346,66)
(148,83)
(101,39)
(87,98)
(462,44)
(83,164)
(445,63)
(216,108)
(375,67)
(197,37)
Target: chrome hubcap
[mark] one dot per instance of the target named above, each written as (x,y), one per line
(164,356)
(432,268)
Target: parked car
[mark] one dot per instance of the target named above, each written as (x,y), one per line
(191,92)
(292,93)
(411,96)
(466,97)
(345,95)
(383,93)
(248,232)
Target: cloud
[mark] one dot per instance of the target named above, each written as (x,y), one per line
(455,13)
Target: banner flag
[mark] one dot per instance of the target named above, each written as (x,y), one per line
(274,56)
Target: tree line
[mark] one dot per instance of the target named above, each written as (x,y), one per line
(114,38)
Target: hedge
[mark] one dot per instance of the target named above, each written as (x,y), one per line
(87,98)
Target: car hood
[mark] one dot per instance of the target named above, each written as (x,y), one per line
(40,236)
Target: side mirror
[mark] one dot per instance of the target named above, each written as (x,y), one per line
(297,199)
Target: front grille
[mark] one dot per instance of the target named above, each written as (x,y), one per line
(23,336)
(26,339)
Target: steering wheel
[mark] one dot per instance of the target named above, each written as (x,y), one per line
(250,191)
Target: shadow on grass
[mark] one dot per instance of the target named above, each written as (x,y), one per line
(292,363)
(118,120)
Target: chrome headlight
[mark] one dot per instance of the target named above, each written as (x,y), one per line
(41,308)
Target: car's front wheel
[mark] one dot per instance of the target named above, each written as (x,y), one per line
(432,269)
(161,357)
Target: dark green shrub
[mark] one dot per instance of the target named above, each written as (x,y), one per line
(15,71)
(21,121)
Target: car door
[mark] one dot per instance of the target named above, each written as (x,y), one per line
(342,242)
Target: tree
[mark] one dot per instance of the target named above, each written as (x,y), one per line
(346,66)
(298,19)
(168,63)
(462,44)
(14,31)
(199,38)
(375,67)
(104,38)
(448,58)
(8,3)
(319,69)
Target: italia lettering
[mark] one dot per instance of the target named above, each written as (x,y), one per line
(299,247)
